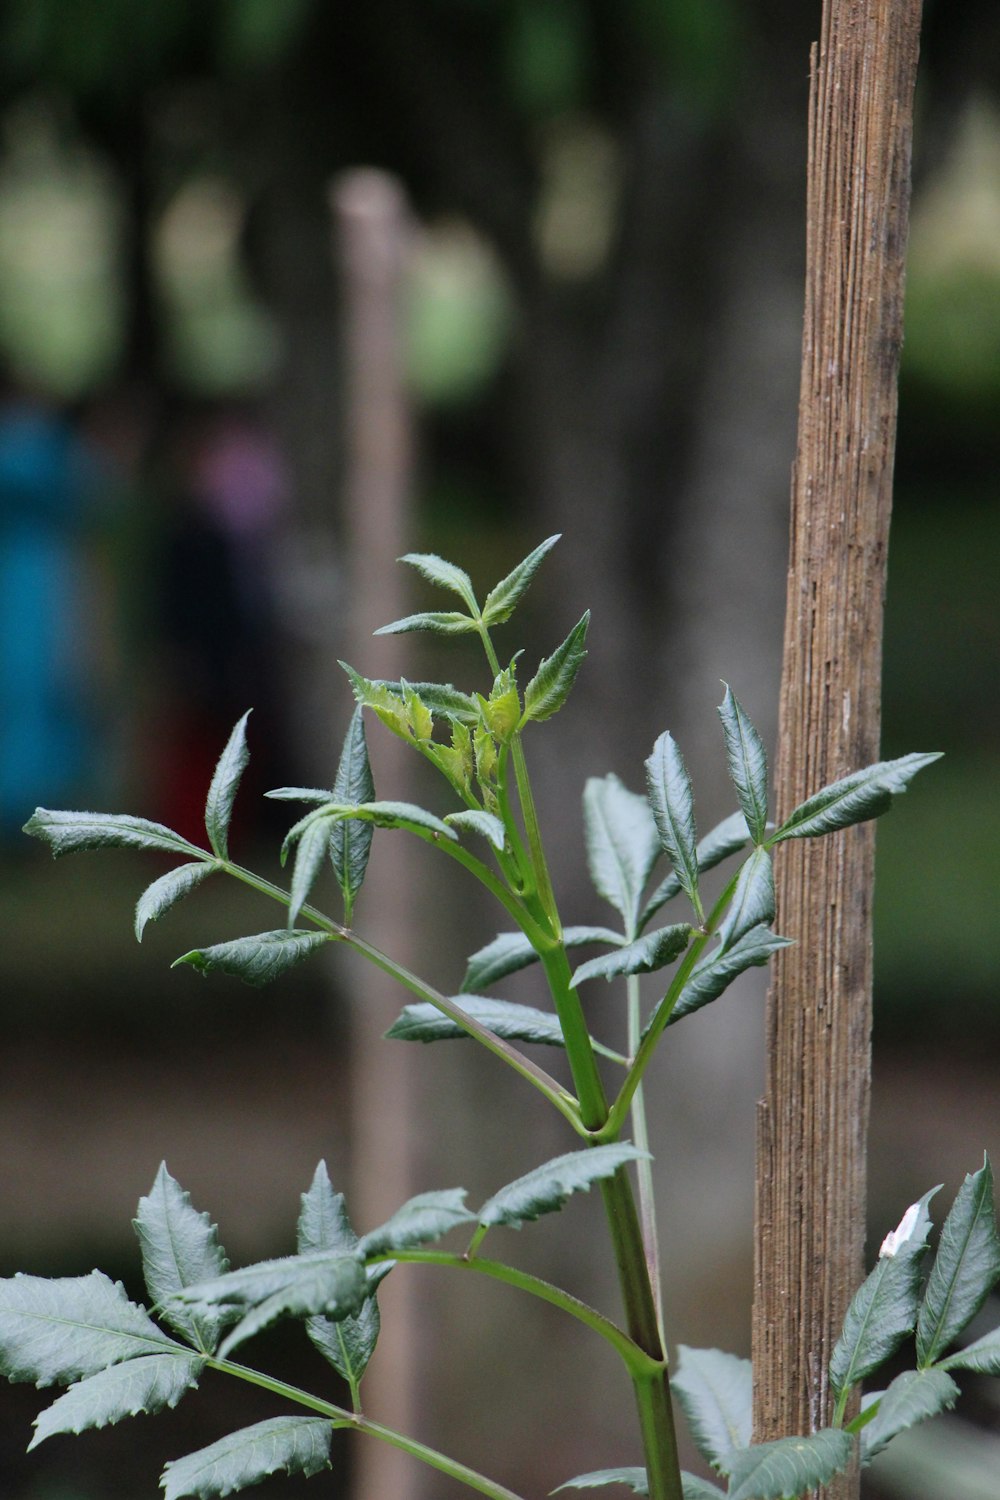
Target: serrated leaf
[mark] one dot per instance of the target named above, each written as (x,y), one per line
(502,600)
(644,956)
(726,838)
(57,1331)
(445,574)
(696,1488)
(546,1189)
(552,683)
(350,842)
(983,1356)
(483,823)
(296,1445)
(157,899)
(426,1217)
(349,1343)
(225,784)
(146,1384)
(622,844)
(883,1311)
(68,832)
(713,976)
(854,799)
(753,899)
(396,815)
(966,1267)
(715,1391)
(258,959)
(911,1398)
(437,622)
(310,856)
(180,1246)
(635,1479)
(747,761)
(443,700)
(511,951)
(786,1468)
(672,804)
(323,1221)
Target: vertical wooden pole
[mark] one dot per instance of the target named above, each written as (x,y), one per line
(372,232)
(812,1122)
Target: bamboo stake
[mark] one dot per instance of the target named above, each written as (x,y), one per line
(812,1121)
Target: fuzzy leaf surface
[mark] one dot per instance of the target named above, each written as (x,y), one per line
(295,1445)
(634,1479)
(622,844)
(225,784)
(335,1278)
(310,856)
(753,899)
(854,799)
(652,951)
(883,1311)
(983,1355)
(747,761)
(349,1343)
(546,1189)
(511,951)
(726,838)
(350,842)
(911,1398)
(552,683)
(437,622)
(157,899)
(715,1391)
(397,815)
(445,574)
(444,700)
(483,823)
(502,600)
(180,1246)
(256,960)
(60,1330)
(966,1267)
(786,1468)
(672,802)
(715,974)
(426,1217)
(146,1384)
(67,832)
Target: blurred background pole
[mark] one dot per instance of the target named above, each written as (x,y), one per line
(812,1124)
(372,234)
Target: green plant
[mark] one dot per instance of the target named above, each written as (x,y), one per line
(83,1333)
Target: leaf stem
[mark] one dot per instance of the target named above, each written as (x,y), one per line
(644,1165)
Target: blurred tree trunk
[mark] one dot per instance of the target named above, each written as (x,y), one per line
(812,1126)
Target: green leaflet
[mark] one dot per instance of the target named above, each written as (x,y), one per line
(314,844)
(726,838)
(635,1479)
(423,1022)
(883,1310)
(854,799)
(552,683)
(350,841)
(64,1329)
(965,1270)
(158,898)
(445,574)
(180,1246)
(651,952)
(983,1355)
(546,1189)
(622,845)
(258,959)
(786,1468)
(225,784)
(753,900)
(714,974)
(911,1398)
(67,832)
(715,1391)
(672,802)
(502,600)
(511,951)
(348,1343)
(436,621)
(296,1445)
(485,824)
(146,1384)
(426,1217)
(747,764)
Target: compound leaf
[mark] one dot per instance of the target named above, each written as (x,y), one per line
(786,1468)
(715,1391)
(622,844)
(258,959)
(911,1398)
(546,1189)
(652,951)
(672,802)
(552,683)
(180,1246)
(854,799)
(158,898)
(225,784)
(348,1343)
(747,764)
(965,1269)
(297,1445)
(67,832)
(146,1384)
(502,600)
(60,1330)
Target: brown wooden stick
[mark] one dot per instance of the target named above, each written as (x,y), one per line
(812,1121)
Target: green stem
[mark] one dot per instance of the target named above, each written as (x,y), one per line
(342,1418)
(644,1166)
(639,1364)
